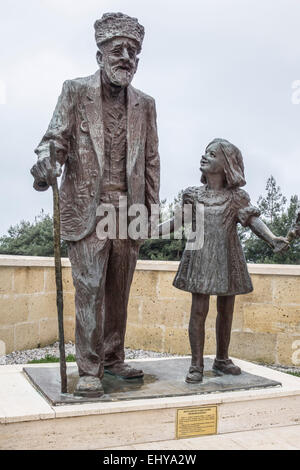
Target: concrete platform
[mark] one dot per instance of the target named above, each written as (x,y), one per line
(28,421)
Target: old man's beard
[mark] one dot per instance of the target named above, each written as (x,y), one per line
(120,76)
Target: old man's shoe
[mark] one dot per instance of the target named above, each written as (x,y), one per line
(89,387)
(124,371)
(195,375)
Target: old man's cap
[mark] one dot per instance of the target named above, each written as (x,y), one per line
(113,25)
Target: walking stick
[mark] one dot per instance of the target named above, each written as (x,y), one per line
(58,273)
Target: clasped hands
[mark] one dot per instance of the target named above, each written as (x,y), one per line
(280,244)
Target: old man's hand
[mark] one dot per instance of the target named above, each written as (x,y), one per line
(280,244)
(44,175)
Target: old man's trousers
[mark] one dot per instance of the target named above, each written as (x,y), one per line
(102,273)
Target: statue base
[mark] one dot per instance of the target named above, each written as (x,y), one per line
(162,378)
(160,408)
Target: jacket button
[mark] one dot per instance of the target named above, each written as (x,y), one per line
(84,126)
(92,194)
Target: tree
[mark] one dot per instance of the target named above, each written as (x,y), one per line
(31,239)
(279,219)
(36,239)
(164,249)
(272,205)
(274,213)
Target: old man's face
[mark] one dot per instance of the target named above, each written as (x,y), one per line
(118,60)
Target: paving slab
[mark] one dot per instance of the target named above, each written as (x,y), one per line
(283,438)
(20,401)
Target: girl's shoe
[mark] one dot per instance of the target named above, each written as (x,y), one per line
(195,375)
(226,366)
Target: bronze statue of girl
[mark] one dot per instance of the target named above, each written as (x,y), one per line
(219,266)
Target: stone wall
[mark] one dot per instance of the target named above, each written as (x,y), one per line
(266,323)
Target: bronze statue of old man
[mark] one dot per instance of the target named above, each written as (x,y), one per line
(105,135)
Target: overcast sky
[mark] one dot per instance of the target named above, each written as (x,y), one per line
(216,68)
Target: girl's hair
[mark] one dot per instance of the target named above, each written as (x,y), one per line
(233,164)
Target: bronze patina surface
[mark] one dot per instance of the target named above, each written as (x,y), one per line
(105,136)
(217,266)
(162,378)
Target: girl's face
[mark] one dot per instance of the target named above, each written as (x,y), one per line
(213,160)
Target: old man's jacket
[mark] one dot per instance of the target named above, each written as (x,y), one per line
(78,134)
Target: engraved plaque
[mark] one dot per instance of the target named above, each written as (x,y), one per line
(198,421)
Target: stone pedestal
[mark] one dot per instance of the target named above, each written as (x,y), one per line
(139,413)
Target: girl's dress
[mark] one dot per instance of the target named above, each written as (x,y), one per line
(219,267)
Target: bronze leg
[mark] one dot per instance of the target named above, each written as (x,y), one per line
(120,270)
(89,259)
(199,311)
(225,307)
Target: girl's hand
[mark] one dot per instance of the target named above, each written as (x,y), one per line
(280,244)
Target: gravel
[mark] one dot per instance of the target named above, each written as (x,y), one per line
(23,357)
(280,368)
